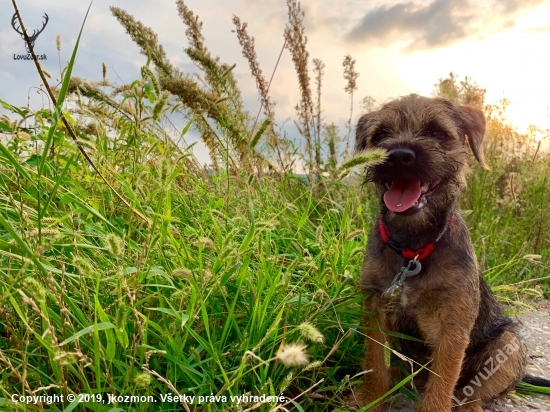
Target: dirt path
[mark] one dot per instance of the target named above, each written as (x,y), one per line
(536,332)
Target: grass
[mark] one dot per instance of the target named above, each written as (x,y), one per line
(131,270)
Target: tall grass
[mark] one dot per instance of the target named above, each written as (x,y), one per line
(132,270)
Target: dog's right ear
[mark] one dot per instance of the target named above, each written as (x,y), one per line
(473,124)
(361,131)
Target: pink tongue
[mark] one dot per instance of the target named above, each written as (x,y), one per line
(402,194)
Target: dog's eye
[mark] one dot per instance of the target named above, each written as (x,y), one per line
(438,134)
(378,136)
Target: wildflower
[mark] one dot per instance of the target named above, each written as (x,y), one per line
(293,354)
(311,333)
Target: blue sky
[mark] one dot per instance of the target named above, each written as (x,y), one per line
(401,47)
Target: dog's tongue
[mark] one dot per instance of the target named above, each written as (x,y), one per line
(402,194)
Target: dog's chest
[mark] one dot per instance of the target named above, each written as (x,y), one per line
(404,297)
(402,308)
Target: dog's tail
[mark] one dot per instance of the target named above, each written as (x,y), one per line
(536,381)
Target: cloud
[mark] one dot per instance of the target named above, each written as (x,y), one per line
(437,23)
(539,30)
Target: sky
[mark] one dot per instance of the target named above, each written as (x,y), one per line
(401,47)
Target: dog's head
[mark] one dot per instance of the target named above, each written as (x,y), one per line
(427,143)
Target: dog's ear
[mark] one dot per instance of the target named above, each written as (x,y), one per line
(361,131)
(473,125)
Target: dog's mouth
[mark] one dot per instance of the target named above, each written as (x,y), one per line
(407,195)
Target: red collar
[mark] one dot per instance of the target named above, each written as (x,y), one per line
(407,253)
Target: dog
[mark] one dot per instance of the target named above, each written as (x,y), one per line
(420,272)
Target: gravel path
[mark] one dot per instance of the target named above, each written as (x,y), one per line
(536,332)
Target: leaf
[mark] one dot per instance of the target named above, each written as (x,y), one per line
(85,331)
(250,235)
(111,347)
(183,318)
(228,274)
(186,128)
(13,161)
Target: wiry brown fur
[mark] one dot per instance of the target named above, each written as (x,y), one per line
(447,305)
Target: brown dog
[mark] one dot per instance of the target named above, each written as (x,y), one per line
(420,269)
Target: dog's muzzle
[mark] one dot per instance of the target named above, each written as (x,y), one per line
(405,192)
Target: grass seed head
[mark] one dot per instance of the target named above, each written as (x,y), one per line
(533,258)
(311,333)
(182,273)
(83,266)
(293,354)
(368,157)
(354,234)
(114,244)
(65,358)
(313,365)
(286,382)
(35,289)
(143,380)
(206,243)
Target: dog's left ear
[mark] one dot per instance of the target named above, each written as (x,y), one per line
(360,131)
(473,126)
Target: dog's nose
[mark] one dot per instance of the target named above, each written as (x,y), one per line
(401,157)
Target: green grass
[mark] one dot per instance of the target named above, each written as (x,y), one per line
(136,272)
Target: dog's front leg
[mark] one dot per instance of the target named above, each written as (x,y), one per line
(447,330)
(377,380)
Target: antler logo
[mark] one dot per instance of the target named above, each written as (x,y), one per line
(35,33)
